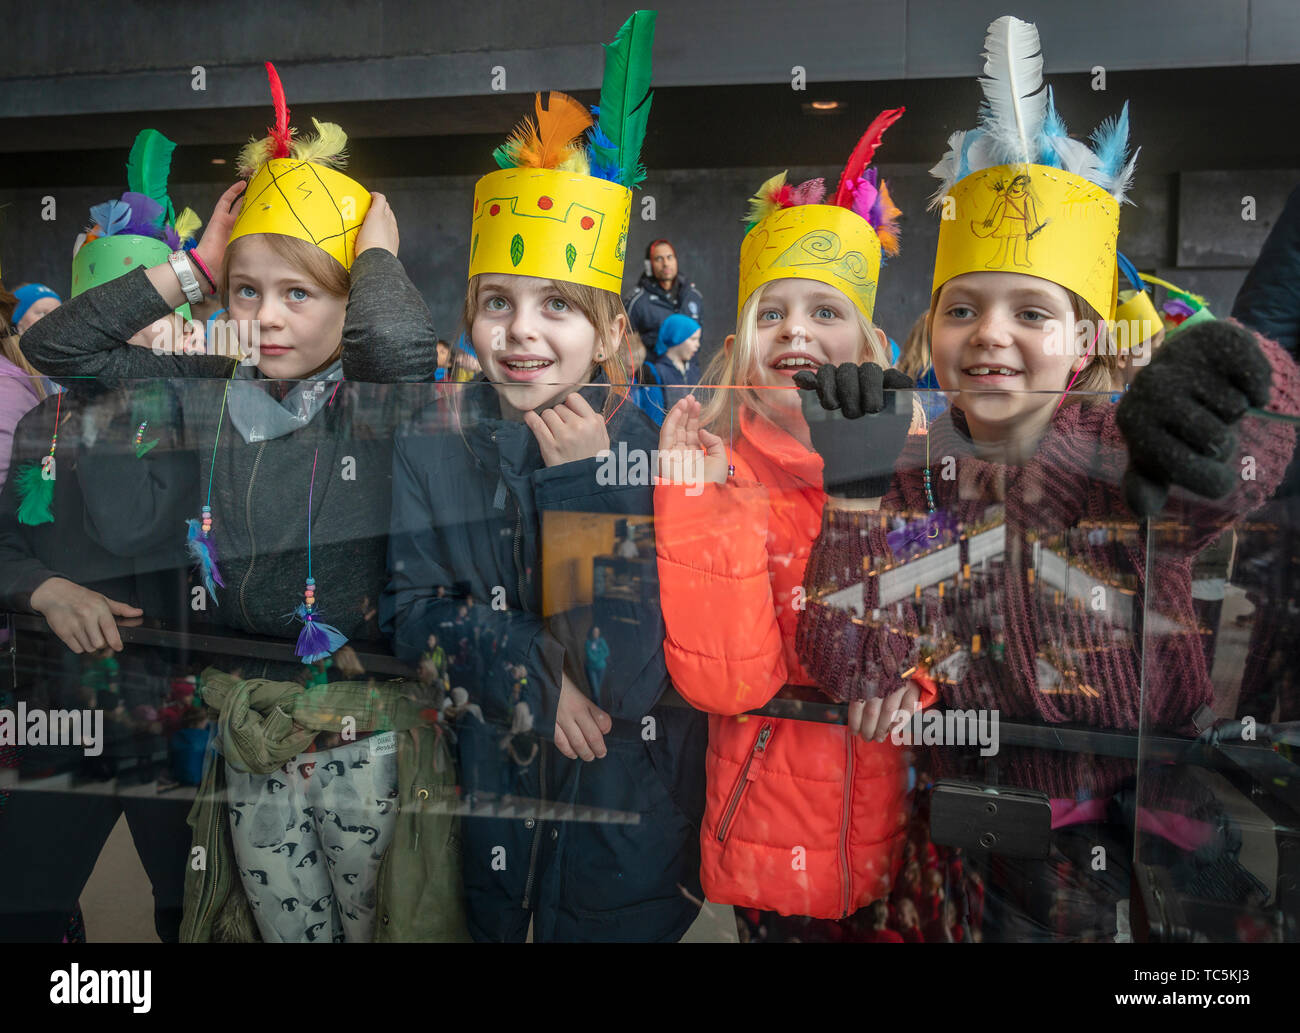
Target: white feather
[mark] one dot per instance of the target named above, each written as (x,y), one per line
(948,168)
(1015,100)
(1122,183)
(1076,157)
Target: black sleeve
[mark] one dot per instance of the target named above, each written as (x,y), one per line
(21,573)
(388,336)
(87,336)
(1269,300)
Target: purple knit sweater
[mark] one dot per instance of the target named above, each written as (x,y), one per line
(1073,477)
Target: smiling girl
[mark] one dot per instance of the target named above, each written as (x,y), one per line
(803,818)
(512,500)
(1015,454)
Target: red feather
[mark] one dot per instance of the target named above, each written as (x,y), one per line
(281,134)
(863,153)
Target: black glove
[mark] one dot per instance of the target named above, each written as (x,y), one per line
(859,457)
(1179,417)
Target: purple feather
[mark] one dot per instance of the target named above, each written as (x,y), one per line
(1176,307)
(317,640)
(915,536)
(864,198)
(203,551)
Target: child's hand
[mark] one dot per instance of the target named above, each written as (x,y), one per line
(379,227)
(1179,417)
(216,234)
(689,454)
(874,719)
(580,725)
(81,618)
(571,431)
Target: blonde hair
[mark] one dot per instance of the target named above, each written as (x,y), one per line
(915,356)
(732,369)
(602,309)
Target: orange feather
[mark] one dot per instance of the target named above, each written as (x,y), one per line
(544,144)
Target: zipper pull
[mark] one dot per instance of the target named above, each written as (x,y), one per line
(764,734)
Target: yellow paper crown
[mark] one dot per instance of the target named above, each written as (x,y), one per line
(295,187)
(552,224)
(308,201)
(821,242)
(1035,220)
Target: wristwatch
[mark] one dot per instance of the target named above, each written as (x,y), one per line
(180,264)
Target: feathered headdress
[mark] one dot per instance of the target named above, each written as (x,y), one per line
(295,188)
(328,147)
(145,210)
(559,204)
(605,143)
(860,189)
(1019,124)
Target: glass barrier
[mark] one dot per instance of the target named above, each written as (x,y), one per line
(375,662)
(1218,819)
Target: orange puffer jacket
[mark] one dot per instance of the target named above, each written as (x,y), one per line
(802,818)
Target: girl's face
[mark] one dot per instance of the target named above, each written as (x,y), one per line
(533,345)
(801,325)
(300,325)
(996,337)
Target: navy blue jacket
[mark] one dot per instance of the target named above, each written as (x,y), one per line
(649,305)
(475,513)
(1269,300)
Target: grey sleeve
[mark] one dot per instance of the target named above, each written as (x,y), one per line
(388,336)
(87,336)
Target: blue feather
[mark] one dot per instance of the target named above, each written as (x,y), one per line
(1110,143)
(602,155)
(1130,272)
(1053,125)
(971,137)
(203,551)
(112,216)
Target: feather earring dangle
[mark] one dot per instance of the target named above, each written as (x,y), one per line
(199,540)
(35,482)
(317,640)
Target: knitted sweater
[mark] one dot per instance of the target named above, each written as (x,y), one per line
(1073,478)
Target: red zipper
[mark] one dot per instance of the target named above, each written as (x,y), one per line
(747,774)
(845,874)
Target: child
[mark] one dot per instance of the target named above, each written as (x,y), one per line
(293,484)
(472,515)
(1049,475)
(803,818)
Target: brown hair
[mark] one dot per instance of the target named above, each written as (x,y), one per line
(602,309)
(915,357)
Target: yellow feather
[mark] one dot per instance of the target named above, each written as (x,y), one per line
(327,147)
(187,224)
(576,161)
(254,155)
(761,204)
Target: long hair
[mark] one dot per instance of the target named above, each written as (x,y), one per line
(9,346)
(732,370)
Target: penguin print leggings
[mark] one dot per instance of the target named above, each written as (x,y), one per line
(309,839)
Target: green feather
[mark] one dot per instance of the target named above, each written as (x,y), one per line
(35,496)
(148,168)
(625,95)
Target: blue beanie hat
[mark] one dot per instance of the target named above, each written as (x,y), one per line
(675,329)
(28,295)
